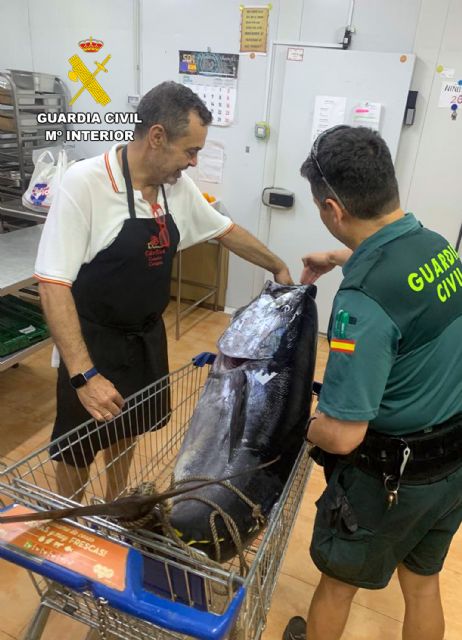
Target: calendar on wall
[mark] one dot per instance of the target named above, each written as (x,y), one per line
(213,77)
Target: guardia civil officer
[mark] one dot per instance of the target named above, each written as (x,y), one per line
(390,410)
(104,266)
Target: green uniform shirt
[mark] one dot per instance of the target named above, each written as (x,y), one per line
(367,379)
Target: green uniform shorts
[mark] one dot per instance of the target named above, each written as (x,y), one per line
(358,540)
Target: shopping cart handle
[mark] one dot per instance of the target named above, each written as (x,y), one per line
(47,569)
(164,613)
(204,358)
(134,601)
(126,592)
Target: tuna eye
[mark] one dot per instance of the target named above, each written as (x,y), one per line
(285,308)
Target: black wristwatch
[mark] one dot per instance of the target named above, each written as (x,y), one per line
(80,379)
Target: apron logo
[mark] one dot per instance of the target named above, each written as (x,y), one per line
(158,244)
(160,240)
(153,242)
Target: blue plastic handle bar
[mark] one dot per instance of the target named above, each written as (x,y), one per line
(204,358)
(134,599)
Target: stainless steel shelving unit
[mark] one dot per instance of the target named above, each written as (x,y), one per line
(24,94)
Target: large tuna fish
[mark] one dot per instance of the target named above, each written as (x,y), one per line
(253,409)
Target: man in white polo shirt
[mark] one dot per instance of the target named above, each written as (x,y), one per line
(104,266)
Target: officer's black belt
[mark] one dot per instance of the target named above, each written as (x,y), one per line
(435,453)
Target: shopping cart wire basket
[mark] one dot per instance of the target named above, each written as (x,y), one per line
(140,584)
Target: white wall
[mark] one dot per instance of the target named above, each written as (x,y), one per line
(43,34)
(15,40)
(430,162)
(379,25)
(199,26)
(166,27)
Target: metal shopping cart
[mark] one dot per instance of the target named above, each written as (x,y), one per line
(140,585)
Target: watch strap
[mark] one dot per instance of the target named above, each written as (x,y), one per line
(90,373)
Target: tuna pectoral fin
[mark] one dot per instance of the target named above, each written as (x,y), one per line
(237,423)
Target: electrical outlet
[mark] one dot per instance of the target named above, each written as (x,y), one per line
(133,99)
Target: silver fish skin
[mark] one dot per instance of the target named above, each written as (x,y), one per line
(274,310)
(254,408)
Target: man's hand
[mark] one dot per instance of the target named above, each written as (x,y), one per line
(283,276)
(100,398)
(318,264)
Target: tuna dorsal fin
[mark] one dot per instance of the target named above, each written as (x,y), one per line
(237,422)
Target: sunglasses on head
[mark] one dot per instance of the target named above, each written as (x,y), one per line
(314,158)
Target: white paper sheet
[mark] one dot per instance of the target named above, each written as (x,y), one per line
(367,114)
(328,112)
(451,93)
(211,162)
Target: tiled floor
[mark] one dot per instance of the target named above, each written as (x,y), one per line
(26,413)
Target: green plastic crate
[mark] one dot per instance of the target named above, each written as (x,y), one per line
(10,342)
(21,325)
(27,309)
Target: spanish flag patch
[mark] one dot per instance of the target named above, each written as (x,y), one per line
(344,346)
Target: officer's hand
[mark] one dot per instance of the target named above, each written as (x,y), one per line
(283,276)
(316,265)
(100,398)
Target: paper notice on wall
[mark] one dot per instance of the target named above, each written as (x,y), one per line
(254,29)
(211,162)
(451,93)
(329,111)
(367,114)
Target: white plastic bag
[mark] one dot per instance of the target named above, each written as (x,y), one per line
(45,181)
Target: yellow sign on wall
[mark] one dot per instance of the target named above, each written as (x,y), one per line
(254,29)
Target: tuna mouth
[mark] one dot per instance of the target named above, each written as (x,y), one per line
(229,362)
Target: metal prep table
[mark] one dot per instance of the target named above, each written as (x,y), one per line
(14,208)
(17,257)
(212,290)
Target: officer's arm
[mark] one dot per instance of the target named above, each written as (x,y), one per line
(336,436)
(317,264)
(246,246)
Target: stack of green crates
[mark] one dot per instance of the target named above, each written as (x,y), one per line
(21,325)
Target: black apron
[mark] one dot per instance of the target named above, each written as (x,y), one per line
(120,297)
